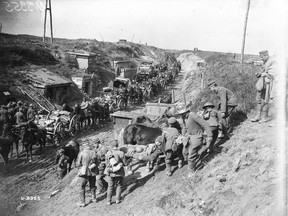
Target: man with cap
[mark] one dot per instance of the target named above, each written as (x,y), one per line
(227,103)
(265,87)
(211,117)
(170,148)
(88,163)
(195,128)
(31,113)
(115,162)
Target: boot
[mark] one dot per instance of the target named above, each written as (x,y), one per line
(82,199)
(168,169)
(93,195)
(265,117)
(180,164)
(258,115)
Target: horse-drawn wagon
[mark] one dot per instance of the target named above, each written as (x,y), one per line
(59,124)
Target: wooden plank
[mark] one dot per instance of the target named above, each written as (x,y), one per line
(130,115)
(160,104)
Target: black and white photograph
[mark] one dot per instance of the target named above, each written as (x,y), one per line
(143,107)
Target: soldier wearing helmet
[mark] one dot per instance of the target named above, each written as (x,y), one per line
(171,150)
(115,160)
(181,114)
(195,128)
(211,117)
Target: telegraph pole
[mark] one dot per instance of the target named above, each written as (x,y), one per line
(48,8)
(244,34)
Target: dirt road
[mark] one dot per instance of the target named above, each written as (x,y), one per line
(242,179)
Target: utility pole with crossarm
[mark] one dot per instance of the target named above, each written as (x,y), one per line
(48,8)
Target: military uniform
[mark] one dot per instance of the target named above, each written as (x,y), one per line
(85,159)
(31,114)
(268,90)
(227,103)
(170,148)
(4,120)
(115,160)
(195,126)
(20,118)
(211,116)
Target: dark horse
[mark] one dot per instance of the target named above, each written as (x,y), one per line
(5,146)
(28,138)
(140,134)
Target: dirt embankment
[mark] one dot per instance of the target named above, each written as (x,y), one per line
(241,179)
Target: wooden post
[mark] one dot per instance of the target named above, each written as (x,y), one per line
(244,34)
(202,79)
(173,96)
(45,18)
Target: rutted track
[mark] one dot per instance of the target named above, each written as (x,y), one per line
(39,178)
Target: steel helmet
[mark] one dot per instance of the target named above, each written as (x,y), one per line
(208,104)
(181,108)
(139,149)
(172,120)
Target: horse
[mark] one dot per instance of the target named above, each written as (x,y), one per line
(28,138)
(13,135)
(5,146)
(140,134)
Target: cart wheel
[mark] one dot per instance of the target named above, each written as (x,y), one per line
(58,134)
(73,126)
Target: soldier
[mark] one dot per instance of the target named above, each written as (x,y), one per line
(195,128)
(11,113)
(211,117)
(101,183)
(88,163)
(25,109)
(181,114)
(4,119)
(170,147)
(115,161)
(265,87)
(31,113)
(227,103)
(19,116)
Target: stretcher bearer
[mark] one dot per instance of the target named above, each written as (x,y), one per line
(227,103)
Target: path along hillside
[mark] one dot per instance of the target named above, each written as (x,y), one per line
(242,179)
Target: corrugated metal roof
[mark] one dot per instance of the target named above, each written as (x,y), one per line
(45,77)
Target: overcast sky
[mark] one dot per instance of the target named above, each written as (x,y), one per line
(215,25)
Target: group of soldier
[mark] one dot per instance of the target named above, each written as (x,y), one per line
(103,167)
(15,114)
(196,131)
(141,90)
